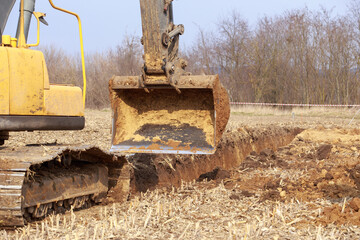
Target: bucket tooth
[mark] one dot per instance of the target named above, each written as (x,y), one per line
(161,120)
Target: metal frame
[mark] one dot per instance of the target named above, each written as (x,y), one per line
(32,123)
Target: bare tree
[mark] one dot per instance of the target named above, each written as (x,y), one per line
(297,57)
(124,60)
(231,53)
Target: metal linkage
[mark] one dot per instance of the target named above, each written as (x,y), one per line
(162,65)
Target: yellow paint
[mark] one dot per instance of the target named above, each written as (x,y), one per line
(70,99)
(81,46)
(6,40)
(25,88)
(37,15)
(46,77)
(4,82)
(13,42)
(22,39)
(26,81)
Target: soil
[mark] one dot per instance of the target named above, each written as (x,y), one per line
(153,171)
(269,179)
(216,174)
(222,108)
(307,170)
(323,152)
(136,108)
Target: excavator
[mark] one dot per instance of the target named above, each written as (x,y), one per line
(164,110)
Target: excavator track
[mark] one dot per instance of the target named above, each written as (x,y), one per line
(39,180)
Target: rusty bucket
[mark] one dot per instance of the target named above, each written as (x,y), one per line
(189,120)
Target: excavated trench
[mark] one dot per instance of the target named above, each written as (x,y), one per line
(148,172)
(158,171)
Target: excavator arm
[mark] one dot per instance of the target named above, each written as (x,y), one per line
(161,43)
(6,7)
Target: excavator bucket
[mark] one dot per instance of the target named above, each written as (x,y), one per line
(189,120)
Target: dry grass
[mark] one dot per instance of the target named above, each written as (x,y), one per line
(191,212)
(195,210)
(296,112)
(299,117)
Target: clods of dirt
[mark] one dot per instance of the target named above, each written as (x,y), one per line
(328,176)
(265,159)
(338,191)
(268,153)
(272,184)
(323,152)
(216,174)
(355,204)
(355,174)
(241,195)
(347,213)
(272,195)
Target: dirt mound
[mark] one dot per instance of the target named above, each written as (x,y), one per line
(347,213)
(171,170)
(310,168)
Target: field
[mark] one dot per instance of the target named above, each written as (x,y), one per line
(283,174)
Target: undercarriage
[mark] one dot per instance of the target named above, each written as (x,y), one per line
(36,181)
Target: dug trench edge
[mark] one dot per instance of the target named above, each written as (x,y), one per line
(151,171)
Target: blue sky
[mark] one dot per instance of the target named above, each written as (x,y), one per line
(105,23)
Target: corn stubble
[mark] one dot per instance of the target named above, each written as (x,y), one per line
(256,202)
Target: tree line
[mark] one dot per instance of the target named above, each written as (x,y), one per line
(300,56)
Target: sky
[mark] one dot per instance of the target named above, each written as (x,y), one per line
(106,23)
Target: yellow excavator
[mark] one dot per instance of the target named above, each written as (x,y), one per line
(165,110)
(37,180)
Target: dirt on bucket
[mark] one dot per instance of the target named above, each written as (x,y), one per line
(161,120)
